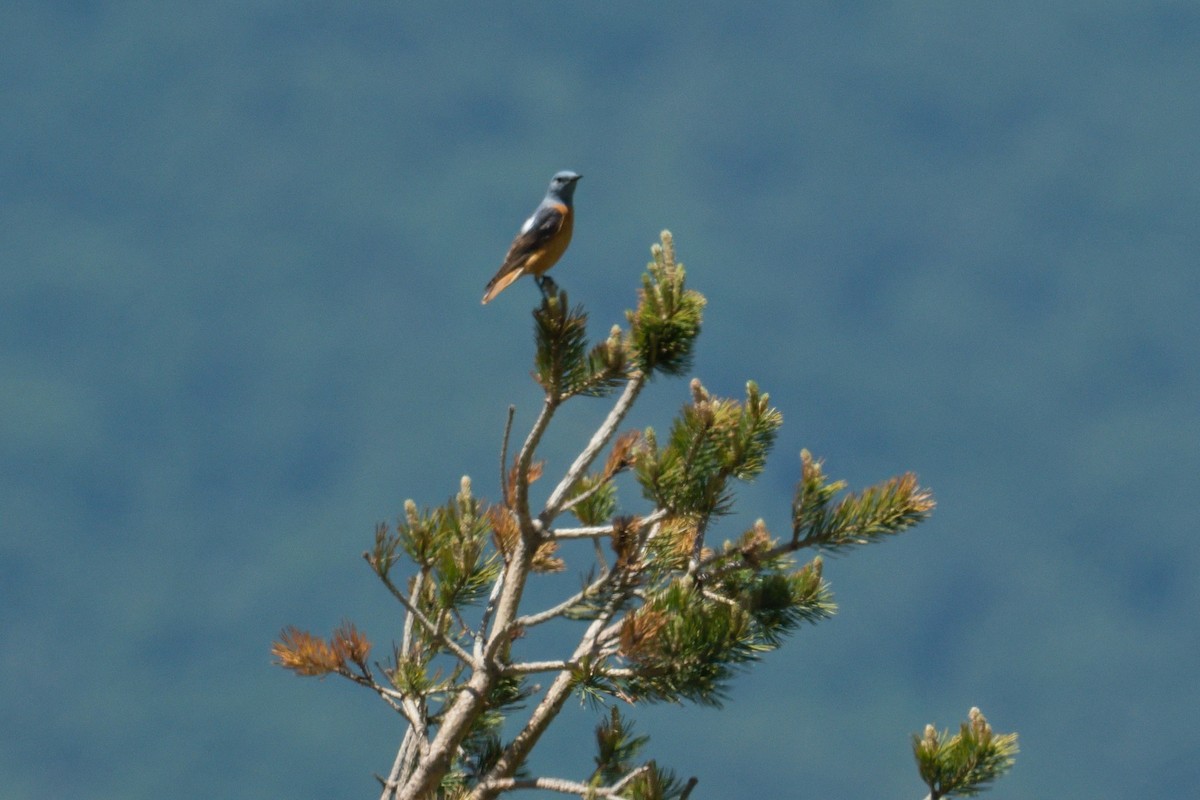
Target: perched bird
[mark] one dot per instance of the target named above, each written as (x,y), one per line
(543,238)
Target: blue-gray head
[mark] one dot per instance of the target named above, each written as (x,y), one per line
(562,186)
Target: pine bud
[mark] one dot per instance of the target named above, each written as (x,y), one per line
(668,248)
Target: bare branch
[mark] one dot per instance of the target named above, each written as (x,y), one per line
(525,459)
(461,712)
(406,641)
(593,531)
(512,410)
(579,498)
(588,532)
(554,505)
(539,666)
(592,589)
(550,705)
(407,752)
(550,784)
(399,702)
(618,672)
(487,614)
(456,720)
(633,775)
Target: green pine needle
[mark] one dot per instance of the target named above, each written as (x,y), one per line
(882,510)
(597,507)
(712,440)
(966,763)
(616,748)
(664,327)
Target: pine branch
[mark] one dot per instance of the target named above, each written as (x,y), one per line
(712,441)
(966,763)
(664,326)
(882,510)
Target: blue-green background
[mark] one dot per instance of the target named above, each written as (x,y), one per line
(242,247)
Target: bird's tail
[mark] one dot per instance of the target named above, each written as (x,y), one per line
(499,283)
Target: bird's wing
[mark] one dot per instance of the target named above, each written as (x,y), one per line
(537,231)
(535,234)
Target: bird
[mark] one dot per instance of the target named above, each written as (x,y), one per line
(542,239)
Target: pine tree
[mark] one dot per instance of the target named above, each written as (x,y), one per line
(661,614)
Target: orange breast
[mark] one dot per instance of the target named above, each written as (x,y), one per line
(548,256)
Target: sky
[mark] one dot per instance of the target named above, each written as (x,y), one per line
(242,250)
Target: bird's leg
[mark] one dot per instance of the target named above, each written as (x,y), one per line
(546,284)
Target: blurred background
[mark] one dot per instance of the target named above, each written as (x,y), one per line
(242,247)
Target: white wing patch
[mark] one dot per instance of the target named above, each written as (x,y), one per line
(528,224)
